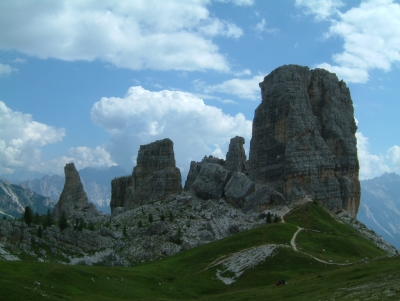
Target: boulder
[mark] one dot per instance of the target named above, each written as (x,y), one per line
(303,139)
(211,181)
(195,168)
(238,187)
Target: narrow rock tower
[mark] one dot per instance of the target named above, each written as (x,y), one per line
(303,140)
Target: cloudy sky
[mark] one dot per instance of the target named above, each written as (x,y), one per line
(90,81)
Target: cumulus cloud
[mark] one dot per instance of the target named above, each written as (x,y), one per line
(143,116)
(393,155)
(243,88)
(141,34)
(6,69)
(21,140)
(370,34)
(370,165)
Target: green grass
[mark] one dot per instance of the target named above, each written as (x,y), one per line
(185,276)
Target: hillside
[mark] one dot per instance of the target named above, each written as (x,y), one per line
(333,261)
(380,206)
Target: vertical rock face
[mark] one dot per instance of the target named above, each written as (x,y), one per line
(154,177)
(73,198)
(236,156)
(303,139)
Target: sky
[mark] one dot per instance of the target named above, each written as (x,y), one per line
(90,81)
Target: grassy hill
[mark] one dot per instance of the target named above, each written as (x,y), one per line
(342,271)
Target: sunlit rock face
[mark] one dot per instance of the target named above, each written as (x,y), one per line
(303,140)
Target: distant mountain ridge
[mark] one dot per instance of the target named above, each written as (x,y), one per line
(96,182)
(14,198)
(380,206)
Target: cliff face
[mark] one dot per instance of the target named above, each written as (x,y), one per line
(153,178)
(73,198)
(303,139)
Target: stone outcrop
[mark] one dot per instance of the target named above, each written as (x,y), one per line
(73,199)
(195,168)
(238,188)
(211,181)
(153,178)
(303,140)
(236,156)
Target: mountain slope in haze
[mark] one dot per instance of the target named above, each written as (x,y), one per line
(14,198)
(96,182)
(380,206)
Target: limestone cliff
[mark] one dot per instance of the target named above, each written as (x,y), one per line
(73,199)
(303,139)
(153,178)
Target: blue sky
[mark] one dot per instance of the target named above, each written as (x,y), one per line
(90,81)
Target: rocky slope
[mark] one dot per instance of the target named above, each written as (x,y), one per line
(303,140)
(380,206)
(14,199)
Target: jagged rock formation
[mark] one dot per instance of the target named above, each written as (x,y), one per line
(195,168)
(153,178)
(238,188)
(303,139)
(73,199)
(236,156)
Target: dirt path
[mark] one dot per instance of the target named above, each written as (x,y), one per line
(293,241)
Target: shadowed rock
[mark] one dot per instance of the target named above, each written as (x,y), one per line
(303,139)
(236,156)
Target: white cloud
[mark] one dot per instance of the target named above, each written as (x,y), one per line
(262,27)
(143,116)
(140,34)
(6,69)
(393,155)
(370,165)
(21,140)
(243,88)
(239,2)
(370,33)
(19,61)
(322,9)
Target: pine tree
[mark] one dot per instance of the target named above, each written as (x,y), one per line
(49,219)
(140,224)
(171,216)
(36,219)
(39,232)
(63,223)
(4,217)
(124,231)
(162,217)
(269,218)
(28,216)
(276,219)
(150,218)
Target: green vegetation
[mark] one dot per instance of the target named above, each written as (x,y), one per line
(189,275)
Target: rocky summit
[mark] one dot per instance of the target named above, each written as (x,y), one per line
(303,140)
(73,199)
(153,178)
